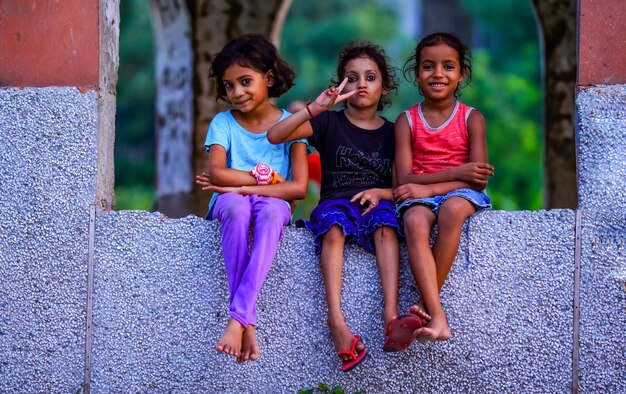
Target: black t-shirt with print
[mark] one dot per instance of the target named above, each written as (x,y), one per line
(353,159)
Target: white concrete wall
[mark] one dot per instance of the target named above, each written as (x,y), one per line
(160,295)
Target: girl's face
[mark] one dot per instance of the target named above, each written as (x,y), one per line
(364,76)
(439,72)
(246,88)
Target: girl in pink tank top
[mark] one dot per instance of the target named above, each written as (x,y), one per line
(441,165)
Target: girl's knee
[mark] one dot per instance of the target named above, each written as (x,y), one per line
(454,211)
(234,213)
(334,235)
(232,206)
(273,216)
(271,210)
(418,222)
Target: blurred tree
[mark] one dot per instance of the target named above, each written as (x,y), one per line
(448,16)
(559,36)
(174,106)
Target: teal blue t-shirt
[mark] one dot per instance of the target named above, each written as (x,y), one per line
(244,149)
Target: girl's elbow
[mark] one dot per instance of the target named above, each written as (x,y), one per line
(301,190)
(301,193)
(272,138)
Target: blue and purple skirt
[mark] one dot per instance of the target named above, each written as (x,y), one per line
(357,228)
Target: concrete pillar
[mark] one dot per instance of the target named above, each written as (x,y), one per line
(58,69)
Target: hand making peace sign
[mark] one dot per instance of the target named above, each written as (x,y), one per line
(328,98)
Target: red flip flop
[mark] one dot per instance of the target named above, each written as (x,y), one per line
(354,358)
(400,332)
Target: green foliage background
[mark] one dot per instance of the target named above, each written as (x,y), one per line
(506,86)
(135,158)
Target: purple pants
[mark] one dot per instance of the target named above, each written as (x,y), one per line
(247,268)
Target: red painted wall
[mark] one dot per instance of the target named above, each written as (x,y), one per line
(602,42)
(56,42)
(49,43)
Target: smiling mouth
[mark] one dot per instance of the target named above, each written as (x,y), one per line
(438,84)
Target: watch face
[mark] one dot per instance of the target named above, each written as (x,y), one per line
(263,169)
(262,173)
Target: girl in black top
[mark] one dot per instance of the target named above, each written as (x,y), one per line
(356,148)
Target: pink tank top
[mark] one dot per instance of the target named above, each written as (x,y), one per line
(436,149)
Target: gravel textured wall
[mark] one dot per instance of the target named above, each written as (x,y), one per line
(161,304)
(603,303)
(47,181)
(160,294)
(602,185)
(601,149)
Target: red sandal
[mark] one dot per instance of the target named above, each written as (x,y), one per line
(400,332)
(354,358)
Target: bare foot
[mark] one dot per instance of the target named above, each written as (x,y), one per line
(230,343)
(420,312)
(342,338)
(436,329)
(250,350)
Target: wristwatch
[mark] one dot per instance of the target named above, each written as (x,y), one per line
(263,174)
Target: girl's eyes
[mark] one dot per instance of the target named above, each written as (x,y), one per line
(244,82)
(447,67)
(369,78)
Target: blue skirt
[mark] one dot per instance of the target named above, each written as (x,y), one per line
(480,200)
(357,228)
